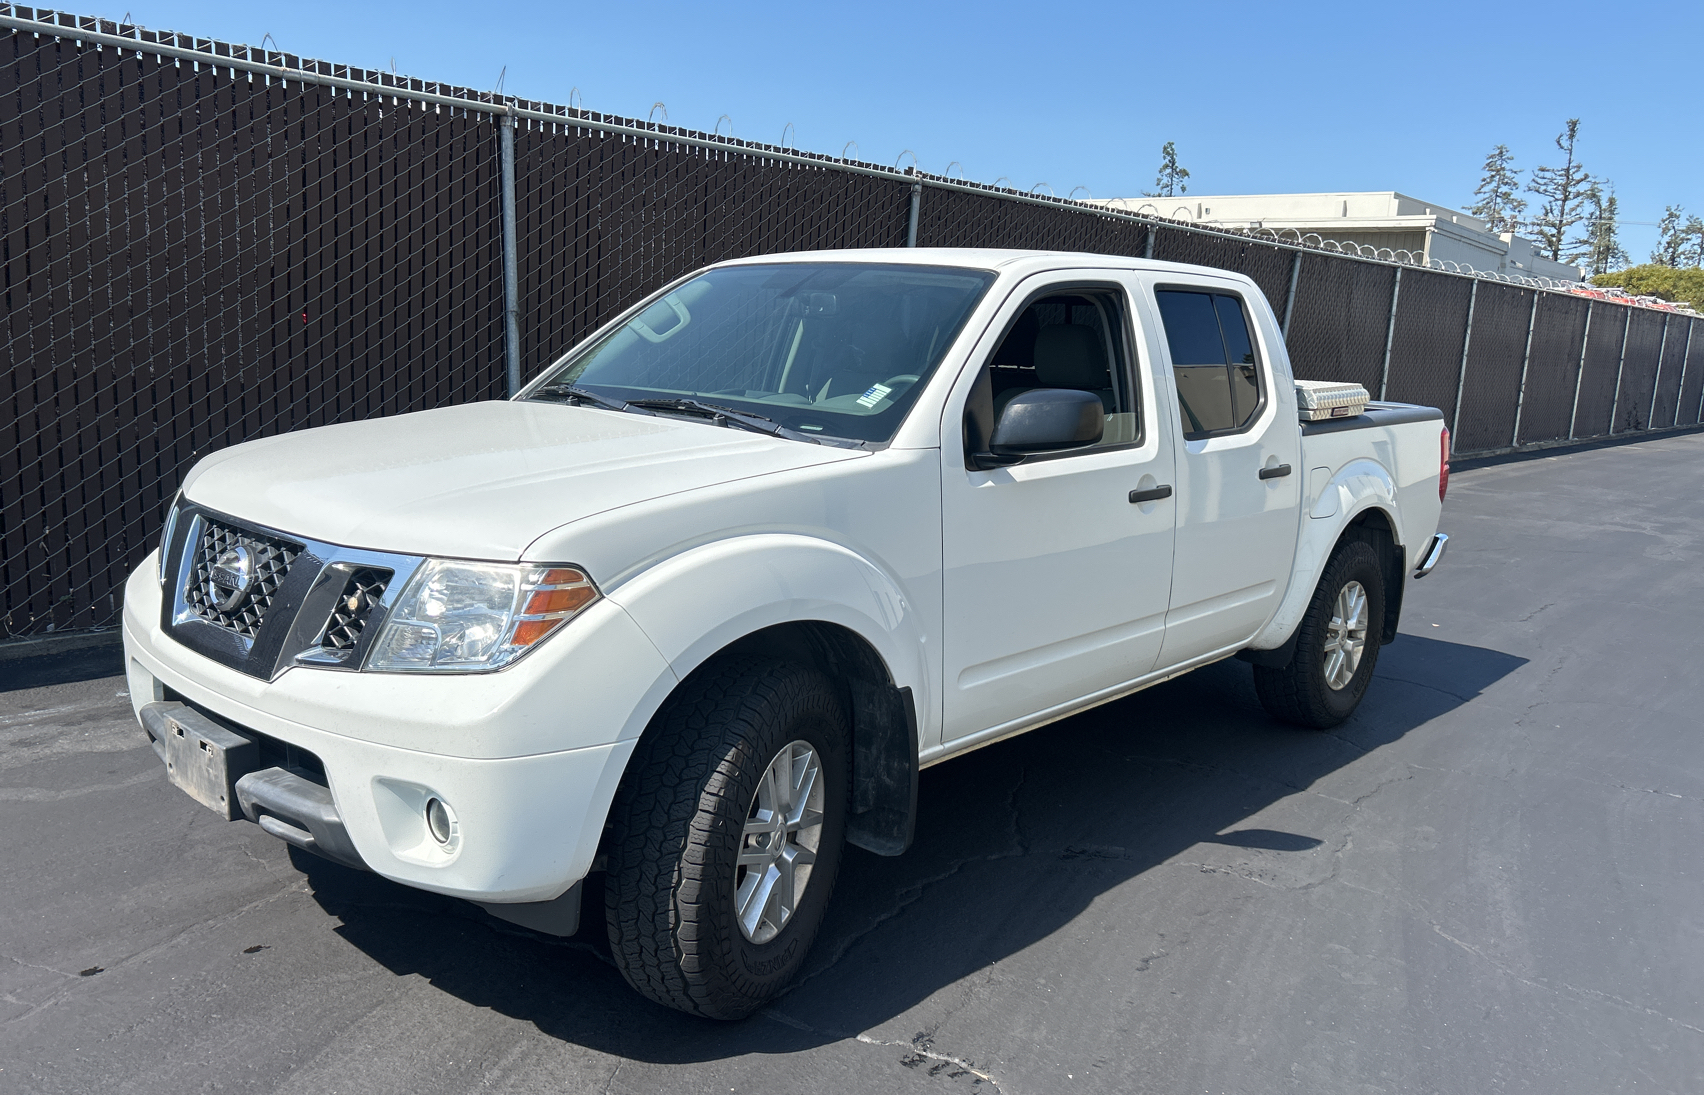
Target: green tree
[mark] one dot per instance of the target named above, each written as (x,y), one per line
(1170,182)
(1693,232)
(1671,241)
(1603,251)
(1656,280)
(1500,204)
(1563,191)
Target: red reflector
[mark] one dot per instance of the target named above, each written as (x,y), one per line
(1443,463)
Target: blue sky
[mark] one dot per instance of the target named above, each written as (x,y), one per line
(1259,97)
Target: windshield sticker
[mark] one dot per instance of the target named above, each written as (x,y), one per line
(875,395)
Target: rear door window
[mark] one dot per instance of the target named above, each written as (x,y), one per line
(1213,360)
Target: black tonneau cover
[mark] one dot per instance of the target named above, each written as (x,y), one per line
(1376,414)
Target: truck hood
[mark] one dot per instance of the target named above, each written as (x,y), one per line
(481,480)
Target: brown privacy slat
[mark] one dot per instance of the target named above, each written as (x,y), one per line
(164,225)
(1665,408)
(1337,331)
(1548,405)
(1599,375)
(1491,386)
(1639,370)
(1427,341)
(1692,382)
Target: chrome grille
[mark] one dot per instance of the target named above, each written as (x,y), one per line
(354,606)
(271,562)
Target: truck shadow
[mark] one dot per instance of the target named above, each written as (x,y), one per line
(1013,842)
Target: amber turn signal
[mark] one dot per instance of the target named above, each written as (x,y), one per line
(553,597)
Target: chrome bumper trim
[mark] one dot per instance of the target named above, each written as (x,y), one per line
(1434,555)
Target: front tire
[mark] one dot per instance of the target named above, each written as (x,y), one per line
(725,837)
(1337,644)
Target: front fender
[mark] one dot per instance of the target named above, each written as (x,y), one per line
(1357,487)
(698,602)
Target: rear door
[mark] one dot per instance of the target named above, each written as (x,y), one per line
(1238,465)
(1055,582)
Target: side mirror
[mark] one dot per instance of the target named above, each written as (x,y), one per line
(1043,420)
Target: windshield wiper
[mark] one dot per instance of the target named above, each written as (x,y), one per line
(745,420)
(581,395)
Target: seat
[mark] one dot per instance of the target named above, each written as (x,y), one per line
(1068,355)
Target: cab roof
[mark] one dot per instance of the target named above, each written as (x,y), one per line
(998,260)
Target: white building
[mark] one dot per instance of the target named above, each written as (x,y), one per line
(1380,219)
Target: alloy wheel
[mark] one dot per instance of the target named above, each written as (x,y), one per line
(778,846)
(1346,636)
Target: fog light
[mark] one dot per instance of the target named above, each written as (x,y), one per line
(438,820)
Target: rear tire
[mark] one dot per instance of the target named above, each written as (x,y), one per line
(1337,644)
(701,801)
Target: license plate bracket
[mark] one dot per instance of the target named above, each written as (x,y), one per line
(204,758)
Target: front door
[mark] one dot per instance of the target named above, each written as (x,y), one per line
(1239,470)
(1055,582)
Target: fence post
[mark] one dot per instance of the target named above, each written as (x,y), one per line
(1685,352)
(1580,376)
(1620,364)
(1686,358)
(1148,244)
(1390,328)
(1662,347)
(916,204)
(1466,341)
(511,282)
(1526,359)
(1290,300)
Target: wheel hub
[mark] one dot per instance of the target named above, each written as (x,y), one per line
(778,846)
(1346,636)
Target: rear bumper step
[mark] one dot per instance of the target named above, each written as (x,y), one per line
(1434,555)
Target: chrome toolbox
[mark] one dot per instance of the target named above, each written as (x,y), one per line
(1317,400)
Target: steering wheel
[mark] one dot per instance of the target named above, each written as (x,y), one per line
(902,378)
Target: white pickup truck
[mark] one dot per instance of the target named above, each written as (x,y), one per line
(696,606)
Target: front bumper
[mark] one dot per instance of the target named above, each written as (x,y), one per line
(527,822)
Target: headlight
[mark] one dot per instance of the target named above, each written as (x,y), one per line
(458,617)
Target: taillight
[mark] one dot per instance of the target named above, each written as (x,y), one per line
(1443,463)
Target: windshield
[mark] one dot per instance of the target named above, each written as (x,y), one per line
(826,349)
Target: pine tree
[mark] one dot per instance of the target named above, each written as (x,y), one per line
(1564,191)
(1671,242)
(1693,232)
(1500,205)
(1603,251)
(1169,183)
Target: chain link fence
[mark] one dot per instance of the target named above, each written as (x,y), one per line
(204,243)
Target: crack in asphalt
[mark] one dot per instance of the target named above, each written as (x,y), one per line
(1561,986)
(921,1049)
(35,966)
(1429,687)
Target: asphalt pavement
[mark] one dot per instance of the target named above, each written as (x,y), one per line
(1488,881)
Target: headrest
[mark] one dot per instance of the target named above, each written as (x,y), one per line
(1071,355)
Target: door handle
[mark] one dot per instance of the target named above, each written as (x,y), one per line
(1278,472)
(1152,494)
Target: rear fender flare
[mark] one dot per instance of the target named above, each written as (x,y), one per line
(1357,487)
